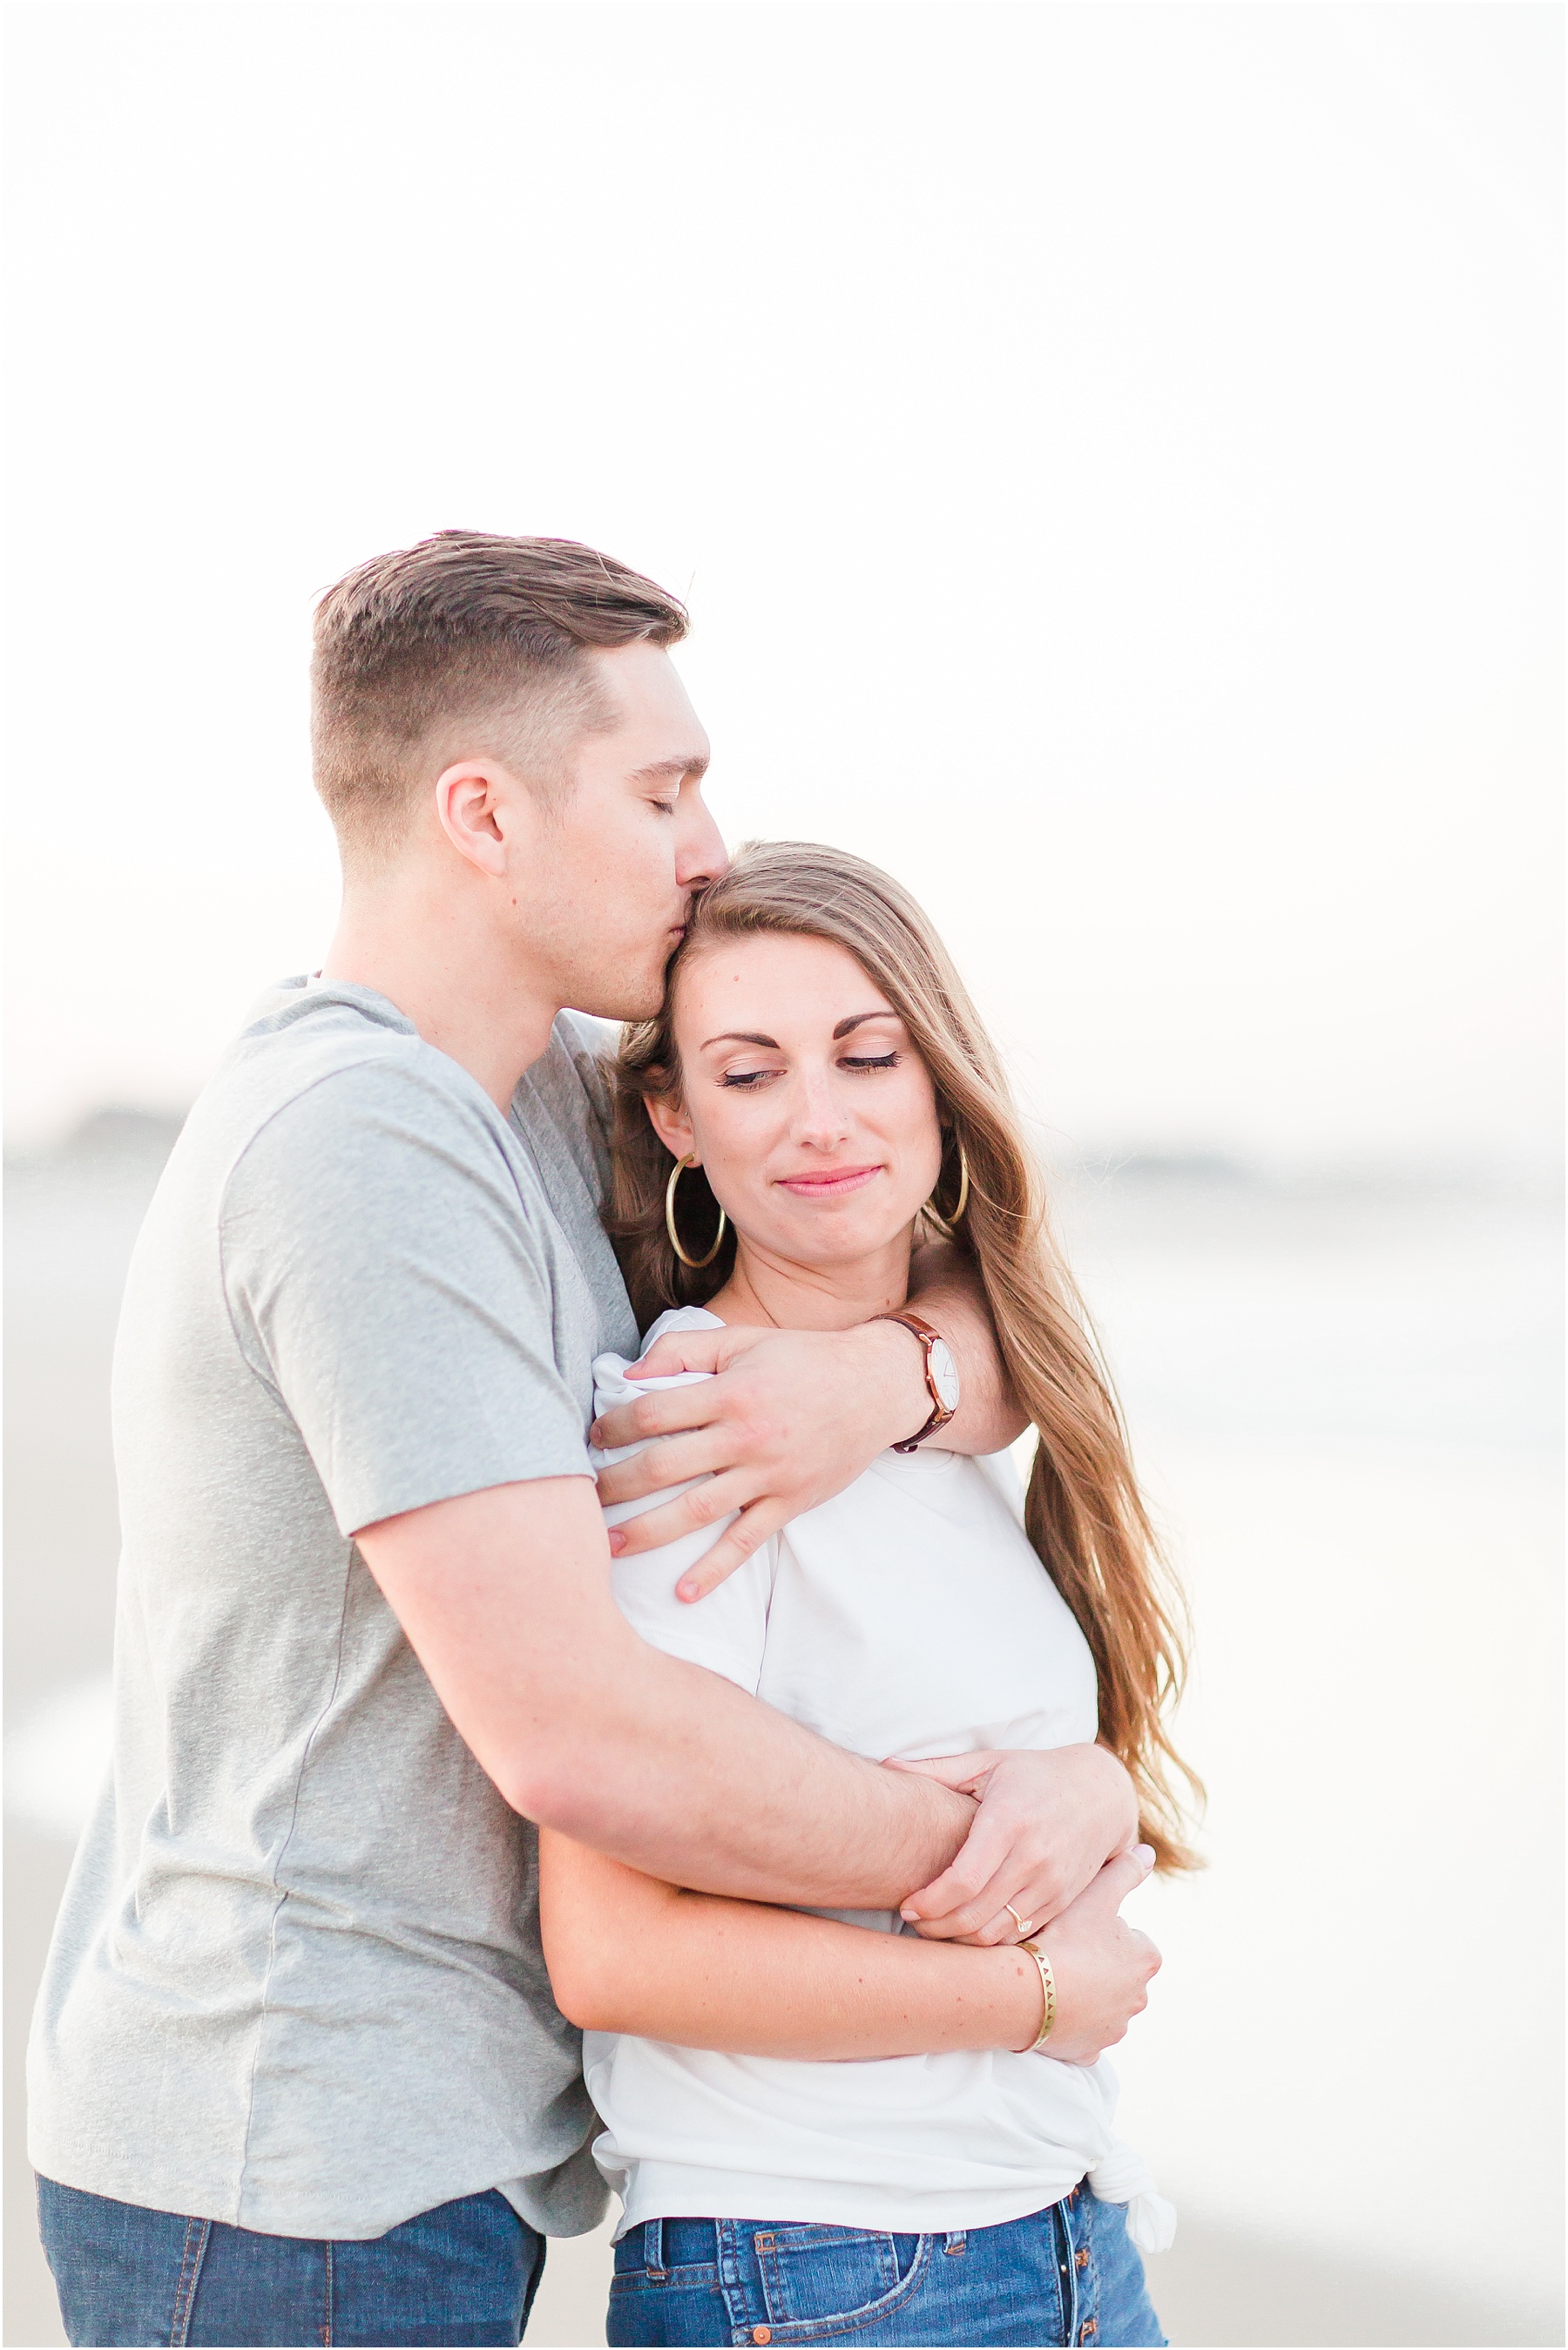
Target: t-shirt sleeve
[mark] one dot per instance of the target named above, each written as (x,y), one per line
(381,1275)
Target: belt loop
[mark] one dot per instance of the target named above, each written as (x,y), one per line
(653,2247)
(958,2240)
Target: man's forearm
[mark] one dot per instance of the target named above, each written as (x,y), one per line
(946,1288)
(505,1597)
(680,1775)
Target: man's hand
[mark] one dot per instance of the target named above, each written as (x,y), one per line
(1048,1824)
(792,1418)
(1102,1966)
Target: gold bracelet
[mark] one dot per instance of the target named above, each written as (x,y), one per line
(1048,1985)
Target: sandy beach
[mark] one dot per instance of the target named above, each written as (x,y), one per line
(1345,1398)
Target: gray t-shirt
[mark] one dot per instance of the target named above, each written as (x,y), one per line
(297,1982)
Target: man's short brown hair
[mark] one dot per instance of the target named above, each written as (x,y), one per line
(467,645)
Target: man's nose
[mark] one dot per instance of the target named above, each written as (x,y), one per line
(702,856)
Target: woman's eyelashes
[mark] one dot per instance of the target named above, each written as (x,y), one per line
(751,1080)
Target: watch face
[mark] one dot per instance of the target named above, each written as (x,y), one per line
(944,1371)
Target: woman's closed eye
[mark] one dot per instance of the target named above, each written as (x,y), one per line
(751,1080)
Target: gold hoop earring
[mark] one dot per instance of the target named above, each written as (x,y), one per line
(949,1224)
(696,1262)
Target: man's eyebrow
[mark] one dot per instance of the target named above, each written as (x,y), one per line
(883,1012)
(659,771)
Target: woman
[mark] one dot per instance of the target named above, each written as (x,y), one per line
(819,1062)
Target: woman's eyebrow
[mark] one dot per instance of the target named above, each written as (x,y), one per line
(771,1044)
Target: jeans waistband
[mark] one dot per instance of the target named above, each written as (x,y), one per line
(679,2243)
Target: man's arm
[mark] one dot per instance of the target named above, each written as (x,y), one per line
(505,1596)
(794,1416)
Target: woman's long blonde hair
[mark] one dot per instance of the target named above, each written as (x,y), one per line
(1084,1512)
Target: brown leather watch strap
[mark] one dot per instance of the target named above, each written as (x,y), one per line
(941,1412)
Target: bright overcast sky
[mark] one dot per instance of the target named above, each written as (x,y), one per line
(1112,453)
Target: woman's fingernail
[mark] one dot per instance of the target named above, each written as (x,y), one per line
(1145,1852)
(617,1542)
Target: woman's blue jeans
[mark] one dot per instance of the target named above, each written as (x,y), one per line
(1066,2274)
(465,2273)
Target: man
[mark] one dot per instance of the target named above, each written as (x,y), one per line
(295,2072)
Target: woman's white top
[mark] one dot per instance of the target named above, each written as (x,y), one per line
(908,1615)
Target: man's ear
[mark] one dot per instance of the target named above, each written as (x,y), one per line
(667,1116)
(477,806)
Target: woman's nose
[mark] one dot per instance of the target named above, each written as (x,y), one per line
(822,1119)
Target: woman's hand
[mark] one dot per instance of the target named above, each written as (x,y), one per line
(1047,1823)
(1102,1966)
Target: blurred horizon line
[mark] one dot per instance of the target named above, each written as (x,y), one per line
(133,1132)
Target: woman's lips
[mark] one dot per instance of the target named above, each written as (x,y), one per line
(831,1185)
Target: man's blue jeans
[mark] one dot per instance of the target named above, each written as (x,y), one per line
(1067,2275)
(465,2273)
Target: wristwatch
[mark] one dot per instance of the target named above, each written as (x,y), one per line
(941,1377)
